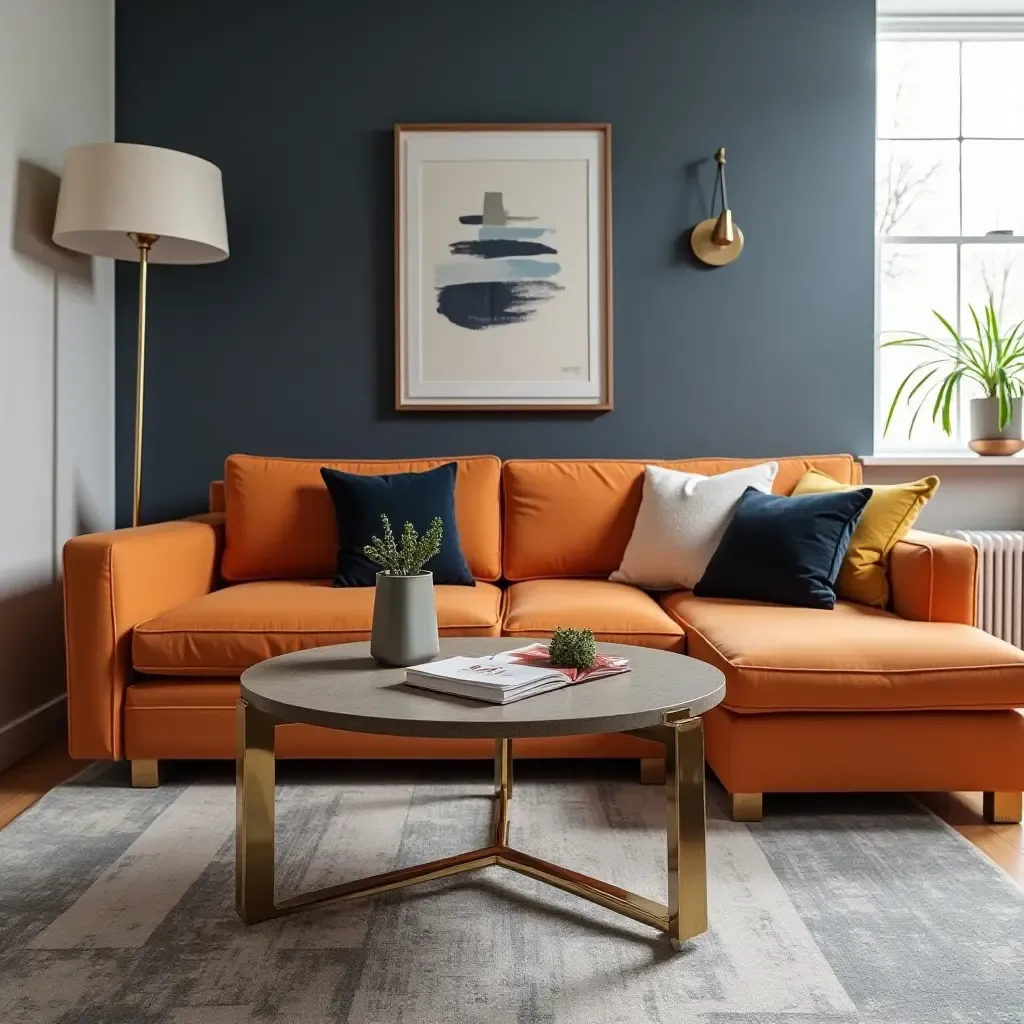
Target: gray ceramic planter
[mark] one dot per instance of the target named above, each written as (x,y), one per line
(985,420)
(404,619)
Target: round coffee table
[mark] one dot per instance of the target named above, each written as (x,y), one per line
(342,687)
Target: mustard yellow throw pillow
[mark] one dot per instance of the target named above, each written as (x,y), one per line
(887,517)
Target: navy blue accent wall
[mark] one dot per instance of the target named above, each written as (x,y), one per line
(286,348)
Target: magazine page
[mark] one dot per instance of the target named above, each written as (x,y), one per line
(536,656)
(484,671)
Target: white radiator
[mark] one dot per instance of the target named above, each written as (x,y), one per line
(1000,605)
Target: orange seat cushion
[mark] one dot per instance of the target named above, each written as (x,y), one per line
(616,612)
(570,517)
(223,633)
(281,525)
(851,658)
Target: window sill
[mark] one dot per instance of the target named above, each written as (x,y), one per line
(944,459)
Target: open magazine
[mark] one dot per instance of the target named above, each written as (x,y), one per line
(508,676)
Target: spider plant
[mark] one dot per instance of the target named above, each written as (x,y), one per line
(992,358)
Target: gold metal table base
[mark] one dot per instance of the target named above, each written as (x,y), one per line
(684,918)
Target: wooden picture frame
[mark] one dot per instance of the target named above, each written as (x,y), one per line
(503,267)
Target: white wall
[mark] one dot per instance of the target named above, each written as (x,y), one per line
(56,347)
(975,497)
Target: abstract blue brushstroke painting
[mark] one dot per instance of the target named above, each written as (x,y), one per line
(496,278)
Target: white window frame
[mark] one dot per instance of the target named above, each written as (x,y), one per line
(932,28)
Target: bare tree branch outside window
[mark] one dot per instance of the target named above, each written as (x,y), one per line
(900,187)
(997,277)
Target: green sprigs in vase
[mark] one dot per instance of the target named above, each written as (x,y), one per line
(414,552)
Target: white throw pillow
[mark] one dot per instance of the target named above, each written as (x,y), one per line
(681,520)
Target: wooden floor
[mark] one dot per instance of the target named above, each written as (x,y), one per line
(24,783)
(1002,843)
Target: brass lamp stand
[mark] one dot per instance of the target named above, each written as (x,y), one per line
(144,243)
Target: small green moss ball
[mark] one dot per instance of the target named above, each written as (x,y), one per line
(572,648)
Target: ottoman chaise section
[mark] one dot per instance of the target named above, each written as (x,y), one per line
(850,658)
(856,699)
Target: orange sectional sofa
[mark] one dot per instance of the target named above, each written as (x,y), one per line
(161,620)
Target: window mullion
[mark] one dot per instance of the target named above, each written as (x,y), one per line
(959,332)
(960,122)
(952,239)
(959,245)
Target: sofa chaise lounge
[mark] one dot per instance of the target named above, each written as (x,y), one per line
(161,620)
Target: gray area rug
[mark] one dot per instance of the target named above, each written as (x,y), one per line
(116,906)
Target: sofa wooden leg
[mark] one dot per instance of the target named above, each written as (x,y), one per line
(1003,808)
(145,773)
(652,771)
(746,806)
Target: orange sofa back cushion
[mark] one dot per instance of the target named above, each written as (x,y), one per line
(567,517)
(280,519)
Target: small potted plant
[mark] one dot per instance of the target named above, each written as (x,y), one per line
(404,616)
(572,648)
(993,359)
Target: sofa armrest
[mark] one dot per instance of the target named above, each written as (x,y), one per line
(933,578)
(112,582)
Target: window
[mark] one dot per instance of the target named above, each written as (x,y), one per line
(949,209)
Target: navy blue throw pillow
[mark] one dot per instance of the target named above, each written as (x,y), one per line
(784,550)
(359,502)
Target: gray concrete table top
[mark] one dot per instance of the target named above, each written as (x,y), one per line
(342,687)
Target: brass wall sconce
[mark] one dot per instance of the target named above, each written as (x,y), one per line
(717,240)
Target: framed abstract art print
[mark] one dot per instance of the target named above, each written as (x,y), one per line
(503,267)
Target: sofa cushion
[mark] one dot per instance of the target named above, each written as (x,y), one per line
(786,550)
(280,518)
(574,518)
(617,613)
(223,633)
(849,658)
(361,504)
(887,518)
(681,521)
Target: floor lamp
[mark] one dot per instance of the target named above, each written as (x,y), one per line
(146,205)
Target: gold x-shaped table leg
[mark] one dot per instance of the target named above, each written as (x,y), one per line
(685,916)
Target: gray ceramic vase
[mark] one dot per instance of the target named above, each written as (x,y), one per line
(404,619)
(985,420)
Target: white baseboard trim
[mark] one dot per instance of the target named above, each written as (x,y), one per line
(30,731)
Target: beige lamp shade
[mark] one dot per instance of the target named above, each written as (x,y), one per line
(115,189)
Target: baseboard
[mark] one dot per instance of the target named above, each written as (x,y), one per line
(32,730)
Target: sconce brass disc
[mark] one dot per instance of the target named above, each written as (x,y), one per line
(707,252)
